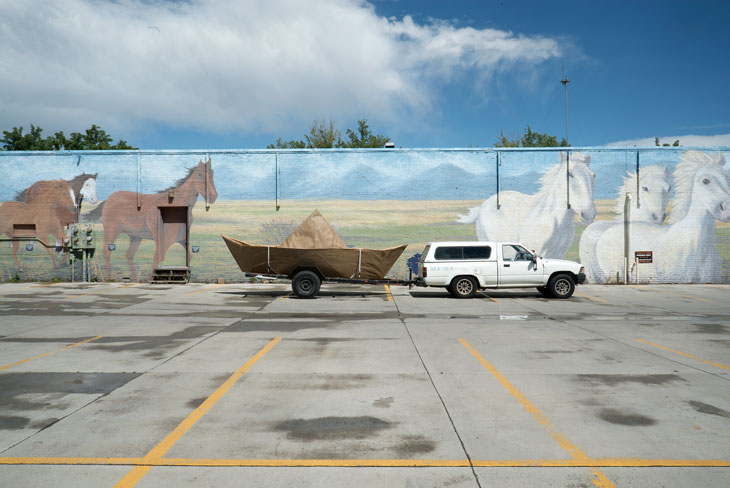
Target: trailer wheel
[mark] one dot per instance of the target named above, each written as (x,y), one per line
(463,287)
(561,286)
(305,284)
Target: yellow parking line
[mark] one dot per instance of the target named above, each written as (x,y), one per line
(600,479)
(375,463)
(590,297)
(205,289)
(37,286)
(284,297)
(18,363)
(685,354)
(484,294)
(156,454)
(668,292)
(387,293)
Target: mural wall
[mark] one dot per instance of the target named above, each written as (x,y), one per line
(168,208)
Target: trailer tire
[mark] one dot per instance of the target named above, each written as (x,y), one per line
(305,284)
(463,287)
(561,286)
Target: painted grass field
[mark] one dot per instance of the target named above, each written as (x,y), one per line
(371,224)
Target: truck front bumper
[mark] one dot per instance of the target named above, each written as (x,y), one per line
(581,278)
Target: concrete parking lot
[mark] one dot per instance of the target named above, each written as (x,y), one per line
(365,386)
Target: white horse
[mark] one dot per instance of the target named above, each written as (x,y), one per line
(653,200)
(543,222)
(683,251)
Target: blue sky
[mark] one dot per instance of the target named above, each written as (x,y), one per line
(241,73)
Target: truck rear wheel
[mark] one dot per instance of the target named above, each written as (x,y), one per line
(463,287)
(305,284)
(561,286)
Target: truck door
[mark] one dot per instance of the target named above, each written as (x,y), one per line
(483,260)
(516,267)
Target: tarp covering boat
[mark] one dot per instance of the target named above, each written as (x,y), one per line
(314,244)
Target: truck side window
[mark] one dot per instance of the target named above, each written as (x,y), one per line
(477,252)
(515,253)
(446,253)
(509,253)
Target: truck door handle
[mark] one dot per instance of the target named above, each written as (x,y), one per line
(506,265)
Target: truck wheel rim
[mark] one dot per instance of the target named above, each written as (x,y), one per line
(306,285)
(562,287)
(464,287)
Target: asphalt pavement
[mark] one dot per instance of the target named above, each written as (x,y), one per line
(112,384)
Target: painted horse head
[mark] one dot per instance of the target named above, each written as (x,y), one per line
(702,182)
(653,189)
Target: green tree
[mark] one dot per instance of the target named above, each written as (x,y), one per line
(530,139)
(94,138)
(326,135)
(322,135)
(675,143)
(364,137)
(280,144)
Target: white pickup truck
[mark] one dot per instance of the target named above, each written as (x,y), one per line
(465,267)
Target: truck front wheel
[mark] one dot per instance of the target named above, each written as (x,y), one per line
(561,286)
(305,284)
(463,287)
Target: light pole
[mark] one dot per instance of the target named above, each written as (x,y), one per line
(565,82)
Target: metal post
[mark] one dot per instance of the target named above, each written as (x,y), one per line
(139,179)
(565,82)
(207,166)
(638,177)
(499,163)
(276,170)
(627,216)
(567,177)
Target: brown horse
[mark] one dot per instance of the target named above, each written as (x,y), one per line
(81,187)
(50,208)
(138,215)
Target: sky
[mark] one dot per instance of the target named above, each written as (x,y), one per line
(239,74)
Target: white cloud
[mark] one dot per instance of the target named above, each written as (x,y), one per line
(234,64)
(686,140)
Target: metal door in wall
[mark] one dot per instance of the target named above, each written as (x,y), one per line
(173,229)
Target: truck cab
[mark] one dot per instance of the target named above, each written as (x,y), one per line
(464,267)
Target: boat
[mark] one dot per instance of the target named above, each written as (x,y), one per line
(316,246)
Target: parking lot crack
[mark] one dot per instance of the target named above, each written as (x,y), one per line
(443,403)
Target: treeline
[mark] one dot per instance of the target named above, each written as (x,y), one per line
(322,135)
(95,138)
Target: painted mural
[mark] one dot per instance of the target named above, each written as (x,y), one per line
(542,221)
(138,216)
(155,208)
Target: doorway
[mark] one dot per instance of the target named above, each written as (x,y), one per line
(173,230)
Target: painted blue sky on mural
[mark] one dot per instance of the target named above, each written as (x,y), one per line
(241,73)
(350,174)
